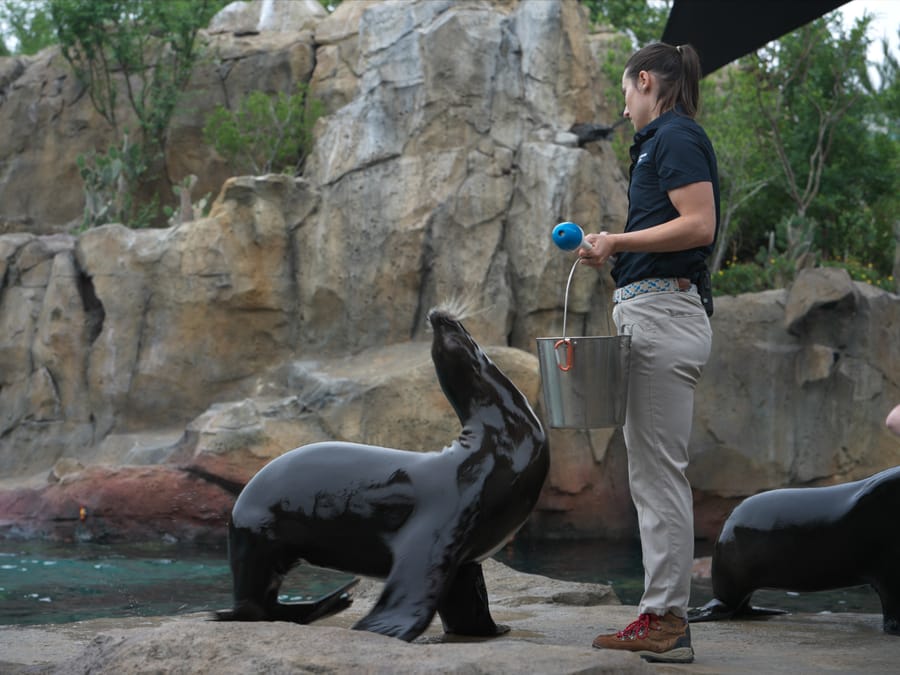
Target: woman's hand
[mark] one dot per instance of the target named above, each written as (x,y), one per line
(602,248)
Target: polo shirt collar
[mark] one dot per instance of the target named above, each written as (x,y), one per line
(649,130)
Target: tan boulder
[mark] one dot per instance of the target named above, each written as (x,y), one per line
(386,396)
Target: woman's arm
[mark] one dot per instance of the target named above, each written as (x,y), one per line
(694,226)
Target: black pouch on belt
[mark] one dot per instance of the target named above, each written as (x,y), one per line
(704,288)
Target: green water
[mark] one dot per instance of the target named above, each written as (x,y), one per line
(56,583)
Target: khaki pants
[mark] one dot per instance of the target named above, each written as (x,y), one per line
(670,344)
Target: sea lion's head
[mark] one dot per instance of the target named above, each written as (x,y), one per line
(468,377)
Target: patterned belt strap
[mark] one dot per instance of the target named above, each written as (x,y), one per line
(652,285)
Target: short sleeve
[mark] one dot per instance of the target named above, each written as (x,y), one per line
(681,158)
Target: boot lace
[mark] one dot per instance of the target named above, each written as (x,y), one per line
(637,629)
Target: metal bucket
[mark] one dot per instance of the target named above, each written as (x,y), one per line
(585,379)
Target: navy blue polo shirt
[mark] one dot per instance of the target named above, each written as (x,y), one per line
(670,152)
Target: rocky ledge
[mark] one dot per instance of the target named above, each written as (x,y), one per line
(552,624)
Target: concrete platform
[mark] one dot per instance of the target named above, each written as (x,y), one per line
(552,622)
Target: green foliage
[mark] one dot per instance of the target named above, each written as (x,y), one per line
(778,271)
(141,50)
(266,133)
(807,155)
(728,98)
(865,272)
(753,277)
(886,112)
(643,21)
(790,248)
(801,108)
(151,44)
(28,24)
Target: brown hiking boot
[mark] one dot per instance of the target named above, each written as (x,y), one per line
(666,639)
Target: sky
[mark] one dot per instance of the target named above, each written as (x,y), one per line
(884,25)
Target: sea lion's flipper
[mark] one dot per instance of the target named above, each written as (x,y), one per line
(409,599)
(888,588)
(716,610)
(306,612)
(299,612)
(464,609)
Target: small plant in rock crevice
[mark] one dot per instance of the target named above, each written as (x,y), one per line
(266,133)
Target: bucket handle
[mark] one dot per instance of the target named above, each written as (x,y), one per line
(569,354)
(566,309)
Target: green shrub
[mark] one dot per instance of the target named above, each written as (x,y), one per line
(737,278)
(865,272)
(778,272)
(266,133)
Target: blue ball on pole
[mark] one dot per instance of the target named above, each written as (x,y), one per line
(568,236)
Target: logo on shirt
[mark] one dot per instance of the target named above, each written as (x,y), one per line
(641,157)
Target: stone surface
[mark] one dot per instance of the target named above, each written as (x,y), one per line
(818,290)
(259,16)
(552,624)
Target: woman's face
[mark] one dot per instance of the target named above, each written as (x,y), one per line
(640,99)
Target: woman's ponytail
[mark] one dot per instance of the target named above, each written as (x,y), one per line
(677,70)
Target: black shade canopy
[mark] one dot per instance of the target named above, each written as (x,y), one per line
(724,30)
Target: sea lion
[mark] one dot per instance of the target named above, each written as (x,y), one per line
(423,521)
(810,539)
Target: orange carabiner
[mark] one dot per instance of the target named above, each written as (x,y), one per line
(569,354)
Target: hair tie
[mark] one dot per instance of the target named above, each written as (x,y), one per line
(678,49)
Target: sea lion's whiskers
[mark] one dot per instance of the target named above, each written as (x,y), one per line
(462,307)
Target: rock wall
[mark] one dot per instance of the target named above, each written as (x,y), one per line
(295,311)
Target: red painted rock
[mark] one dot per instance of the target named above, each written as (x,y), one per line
(105,503)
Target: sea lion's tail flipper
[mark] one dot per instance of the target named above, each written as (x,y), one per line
(464,608)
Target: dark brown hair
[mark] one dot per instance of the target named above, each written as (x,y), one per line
(677,70)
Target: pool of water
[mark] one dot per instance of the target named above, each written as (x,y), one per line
(618,564)
(54,583)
